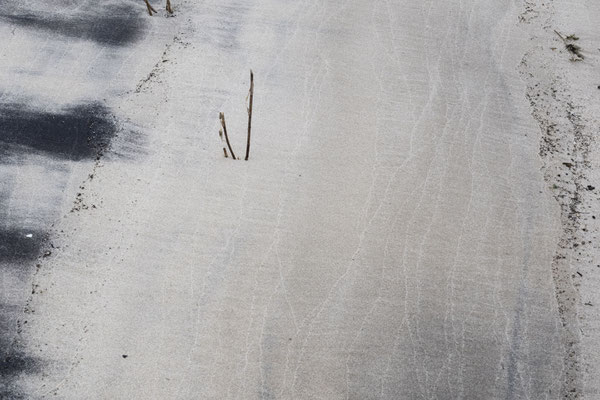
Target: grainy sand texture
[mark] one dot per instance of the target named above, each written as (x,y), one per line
(418,217)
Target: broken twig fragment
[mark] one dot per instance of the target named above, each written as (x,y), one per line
(222,118)
(251,95)
(169,9)
(571,47)
(224,149)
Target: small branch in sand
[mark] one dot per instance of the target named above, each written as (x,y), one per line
(571,47)
(251,95)
(150,8)
(222,118)
(224,149)
(559,35)
(169,9)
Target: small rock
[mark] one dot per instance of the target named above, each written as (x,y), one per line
(124,356)
(590,187)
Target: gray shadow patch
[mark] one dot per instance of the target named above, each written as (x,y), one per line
(80,132)
(11,395)
(20,245)
(112,24)
(14,362)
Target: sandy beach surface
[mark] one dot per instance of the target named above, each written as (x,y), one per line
(418,217)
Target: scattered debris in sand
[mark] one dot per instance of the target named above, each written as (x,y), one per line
(571,47)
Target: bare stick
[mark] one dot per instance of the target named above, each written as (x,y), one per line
(571,47)
(150,8)
(559,35)
(169,9)
(222,118)
(224,149)
(251,94)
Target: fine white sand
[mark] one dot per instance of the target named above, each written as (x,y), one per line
(395,234)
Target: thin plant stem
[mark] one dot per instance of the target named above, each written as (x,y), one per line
(222,118)
(251,94)
(224,149)
(150,8)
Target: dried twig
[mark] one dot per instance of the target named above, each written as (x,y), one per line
(571,47)
(224,149)
(251,95)
(222,118)
(150,8)
(559,35)
(576,50)
(169,9)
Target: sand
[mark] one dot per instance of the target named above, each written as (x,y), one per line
(399,231)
